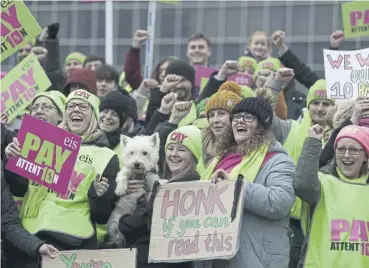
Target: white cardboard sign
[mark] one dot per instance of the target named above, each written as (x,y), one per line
(196,220)
(347,73)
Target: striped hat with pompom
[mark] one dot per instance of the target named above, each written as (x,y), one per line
(228,95)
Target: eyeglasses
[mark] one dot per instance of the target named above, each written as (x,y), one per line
(352,151)
(82,106)
(44,107)
(248,118)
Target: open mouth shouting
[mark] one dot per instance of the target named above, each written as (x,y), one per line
(241,130)
(77,118)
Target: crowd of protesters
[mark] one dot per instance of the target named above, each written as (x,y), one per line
(304,158)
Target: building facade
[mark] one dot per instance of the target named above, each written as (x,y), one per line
(228,24)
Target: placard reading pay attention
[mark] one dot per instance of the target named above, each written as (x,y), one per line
(347,73)
(48,154)
(196,221)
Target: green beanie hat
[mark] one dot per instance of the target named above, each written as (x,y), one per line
(56,97)
(75,56)
(317,91)
(247,63)
(247,92)
(271,63)
(191,138)
(81,94)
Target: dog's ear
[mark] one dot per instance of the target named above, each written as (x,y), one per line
(155,140)
(124,140)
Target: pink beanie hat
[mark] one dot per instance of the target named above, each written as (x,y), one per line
(360,134)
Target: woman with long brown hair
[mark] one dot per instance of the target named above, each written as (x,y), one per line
(249,150)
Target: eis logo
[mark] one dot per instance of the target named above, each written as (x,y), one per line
(350,236)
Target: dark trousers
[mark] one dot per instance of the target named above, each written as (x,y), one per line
(296,242)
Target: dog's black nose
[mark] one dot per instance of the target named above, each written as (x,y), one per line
(137,165)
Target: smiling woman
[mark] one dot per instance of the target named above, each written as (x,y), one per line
(246,149)
(49,107)
(331,212)
(71,219)
(218,108)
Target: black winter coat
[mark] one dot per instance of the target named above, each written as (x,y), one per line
(12,231)
(136,229)
(101,207)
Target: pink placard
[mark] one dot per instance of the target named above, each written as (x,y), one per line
(201,72)
(243,79)
(48,154)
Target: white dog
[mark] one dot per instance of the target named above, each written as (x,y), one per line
(141,156)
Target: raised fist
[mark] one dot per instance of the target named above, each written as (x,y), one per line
(180,110)
(284,75)
(170,81)
(167,103)
(228,68)
(336,39)
(317,132)
(40,52)
(278,38)
(139,37)
(147,85)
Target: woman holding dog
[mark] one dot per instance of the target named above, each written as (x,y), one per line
(68,222)
(338,196)
(248,149)
(183,163)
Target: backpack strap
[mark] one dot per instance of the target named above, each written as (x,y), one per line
(267,157)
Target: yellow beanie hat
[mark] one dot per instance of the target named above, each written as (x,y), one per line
(271,63)
(228,95)
(75,56)
(317,91)
(247,64)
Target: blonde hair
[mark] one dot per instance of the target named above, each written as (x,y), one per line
(343,112)
(91,134)
(265,34)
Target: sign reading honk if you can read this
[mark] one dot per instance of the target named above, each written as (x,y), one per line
(48,154)
(196,220)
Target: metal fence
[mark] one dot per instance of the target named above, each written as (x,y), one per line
(307,24)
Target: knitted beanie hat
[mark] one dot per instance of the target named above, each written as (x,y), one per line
(360,134)
(247,64)
(191,138)
(75,56)
(247,92)
(258,107)
(270,63)
(83,76)
(118,102)
(317,91)
(182,68)
(56,97)
(86,96)
(228,95)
